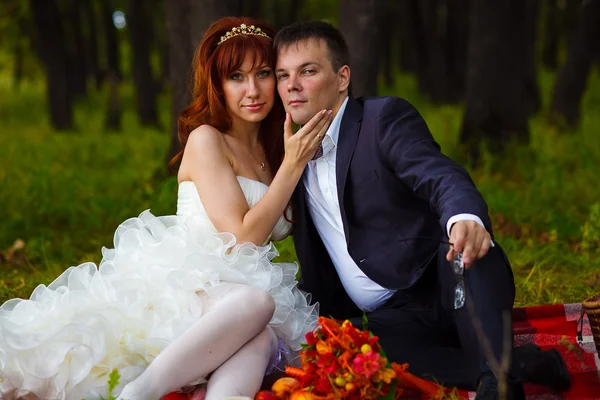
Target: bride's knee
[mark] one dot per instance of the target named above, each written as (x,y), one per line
(256,302)
(265,342)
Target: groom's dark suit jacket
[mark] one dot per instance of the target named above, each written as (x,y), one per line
(393,184)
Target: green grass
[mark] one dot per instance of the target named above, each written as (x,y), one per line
(64,194)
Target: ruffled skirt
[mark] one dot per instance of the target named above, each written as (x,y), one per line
(65,340)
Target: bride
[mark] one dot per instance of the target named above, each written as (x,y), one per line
(192,297)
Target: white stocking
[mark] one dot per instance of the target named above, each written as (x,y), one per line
(236,313)
(243,373)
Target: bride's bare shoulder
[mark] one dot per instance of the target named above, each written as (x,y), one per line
(205,146)
(204,137)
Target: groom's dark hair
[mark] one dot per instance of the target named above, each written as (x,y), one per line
(319,30)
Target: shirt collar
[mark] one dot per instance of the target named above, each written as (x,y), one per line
(334,129)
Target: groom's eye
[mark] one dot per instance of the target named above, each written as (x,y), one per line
(308,71)
(281,76)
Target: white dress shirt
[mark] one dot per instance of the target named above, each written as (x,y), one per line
(324,207)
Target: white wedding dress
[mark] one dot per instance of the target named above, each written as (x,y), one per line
(65,340)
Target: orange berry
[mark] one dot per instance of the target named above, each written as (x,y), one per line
(283,387)
(301,395)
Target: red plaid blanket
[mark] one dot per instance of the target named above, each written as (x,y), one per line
(546,326)
(556,326)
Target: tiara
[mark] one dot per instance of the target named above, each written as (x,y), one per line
(243,29)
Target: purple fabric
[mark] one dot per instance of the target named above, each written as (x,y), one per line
(276,360)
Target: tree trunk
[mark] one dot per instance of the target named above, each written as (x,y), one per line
(279,14)
(205,12)
(76,66)
(440,33)
(573,75)
(425,19)
(387,20)
(286,12)
(161,44)
(416,22)
(408,37)
(183,37)
(93,68)
(552,33)
(358,23)
(145,87)
(180,59)
(113,108)
(455,48)
(113,58)
(50,43)
(531,89)
(253,9)
(295,11)
(495,108)
(18,63)
(18,54)
(433,69)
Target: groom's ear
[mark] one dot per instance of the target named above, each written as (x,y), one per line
(343,78)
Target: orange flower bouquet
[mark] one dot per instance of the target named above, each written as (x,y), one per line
(339,361)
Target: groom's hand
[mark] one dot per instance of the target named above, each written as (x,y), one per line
(471,239)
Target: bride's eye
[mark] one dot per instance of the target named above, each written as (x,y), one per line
(263,74)
(236,76)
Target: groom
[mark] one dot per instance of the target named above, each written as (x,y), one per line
(375,213)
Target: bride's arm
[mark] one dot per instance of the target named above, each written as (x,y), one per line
(221,194)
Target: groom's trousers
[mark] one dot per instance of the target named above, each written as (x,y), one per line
(421,327)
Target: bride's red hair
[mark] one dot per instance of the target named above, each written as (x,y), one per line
(213,63)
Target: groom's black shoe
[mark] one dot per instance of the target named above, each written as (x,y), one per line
(544,368)
(488,389)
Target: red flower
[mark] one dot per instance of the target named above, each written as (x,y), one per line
(311,340)
(366,364)
(373,341)
(323,385)
(327,362)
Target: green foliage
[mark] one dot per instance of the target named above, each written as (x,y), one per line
(64,194)
(591,231)
(113,381)
(326,10)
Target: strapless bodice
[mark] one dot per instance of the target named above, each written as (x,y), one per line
(189,203)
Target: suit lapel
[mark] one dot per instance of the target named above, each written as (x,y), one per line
(300,195)
(349,130)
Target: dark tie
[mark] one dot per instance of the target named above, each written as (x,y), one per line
(319,152)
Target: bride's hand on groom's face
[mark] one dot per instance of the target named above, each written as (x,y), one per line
(301,147)
(471,239)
